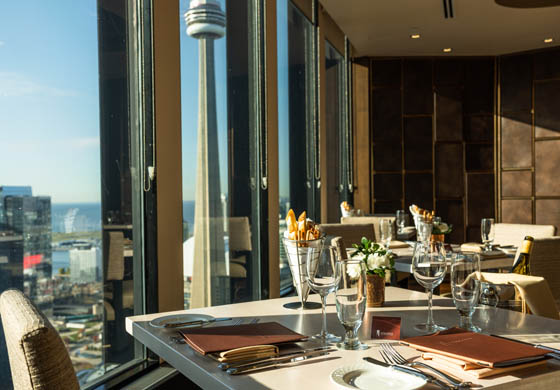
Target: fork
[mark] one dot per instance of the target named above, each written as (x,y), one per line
(391,354)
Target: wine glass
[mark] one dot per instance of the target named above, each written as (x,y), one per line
(351,302)
(401,220)
(386,229)
(322,272)
(465,287)
(424,231)
(428,266)
(487,232)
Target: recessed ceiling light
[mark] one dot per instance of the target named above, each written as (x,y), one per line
(548,40)
(415,36)
(447,50)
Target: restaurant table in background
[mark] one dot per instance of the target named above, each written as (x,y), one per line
(316,373)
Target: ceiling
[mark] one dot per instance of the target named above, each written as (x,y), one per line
(478,28)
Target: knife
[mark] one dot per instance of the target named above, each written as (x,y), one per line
(274,362)
(411,371)
(225,366)
(196,322)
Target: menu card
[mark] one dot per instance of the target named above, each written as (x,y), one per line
(480,349)
(223,338)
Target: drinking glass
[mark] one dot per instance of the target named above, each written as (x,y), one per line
(465,287)
(487,232)
(323,274)
(401,220)
(351,302)
(424,231)
(386,228)
(428,266)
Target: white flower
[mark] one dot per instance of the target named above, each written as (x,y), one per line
(442,227)
(354,270)
(377,260)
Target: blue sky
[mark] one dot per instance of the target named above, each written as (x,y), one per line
(49,99)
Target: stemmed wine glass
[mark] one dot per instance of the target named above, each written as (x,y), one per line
(386,228)
(351,302)
(401,220)
(429,265)
(424,231)
(487,232)
(322,272)
(465,287)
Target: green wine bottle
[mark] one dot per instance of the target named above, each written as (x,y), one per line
(521,264)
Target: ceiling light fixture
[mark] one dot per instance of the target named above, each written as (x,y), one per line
(415,36)
(548,40)
(447,50)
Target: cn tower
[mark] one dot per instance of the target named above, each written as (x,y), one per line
(206,22)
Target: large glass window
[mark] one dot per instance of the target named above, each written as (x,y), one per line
(337,142)
(67,214)
(224,164)
(297,132)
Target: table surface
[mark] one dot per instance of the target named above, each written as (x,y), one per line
(403,261)
(315,373)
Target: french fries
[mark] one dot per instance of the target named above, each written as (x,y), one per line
(426,214)
(301,230)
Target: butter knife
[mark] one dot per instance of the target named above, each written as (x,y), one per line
(196,322)
(277,361)
(225,366)
(411,371)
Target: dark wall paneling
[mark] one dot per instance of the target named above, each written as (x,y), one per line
(547,168)
(516,81)
(452,212)
(529,188)
(516,140)
(547,109)
(517,183)
(517,211)
(419,190)
(449,170)
(418,143)
(480,197)
(437,116)
(449,113)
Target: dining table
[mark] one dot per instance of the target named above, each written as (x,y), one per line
(409,306)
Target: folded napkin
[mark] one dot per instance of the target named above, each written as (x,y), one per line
(472,247)
(224,338)
(534,290)
(476,348)
(248,353)
(398,244)
(462,368)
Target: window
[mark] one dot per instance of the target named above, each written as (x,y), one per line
(70,219)
(224,153)
(297,132)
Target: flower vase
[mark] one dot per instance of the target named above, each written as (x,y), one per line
(438,237)
(375,290)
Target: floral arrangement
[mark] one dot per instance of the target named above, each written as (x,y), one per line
(441,228)
(376,258)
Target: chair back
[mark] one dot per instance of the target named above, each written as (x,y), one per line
(375,220)
(545,262)
(513,233)
(239,231)
(350,233)
(38,357)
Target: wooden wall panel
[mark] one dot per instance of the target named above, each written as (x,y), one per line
(418,143)
(452,212)
(528,185)
(386,73)
(480,197)
(449,170)
(449,113)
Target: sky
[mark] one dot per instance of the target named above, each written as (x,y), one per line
(49,99)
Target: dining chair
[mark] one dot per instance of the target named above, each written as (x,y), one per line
(545,262)
(375,220)
(514,233)
(350,233)
(38,357)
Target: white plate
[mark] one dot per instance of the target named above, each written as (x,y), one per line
(367,376)
(165,321)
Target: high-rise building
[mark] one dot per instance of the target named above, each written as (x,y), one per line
(85,264)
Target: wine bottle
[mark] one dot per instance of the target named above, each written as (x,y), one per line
(521,264)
